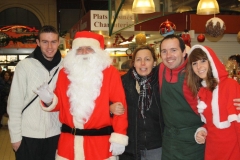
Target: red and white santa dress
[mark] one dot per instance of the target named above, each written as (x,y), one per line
(83,102)
(222,120)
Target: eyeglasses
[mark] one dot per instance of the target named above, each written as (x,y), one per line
(85,50)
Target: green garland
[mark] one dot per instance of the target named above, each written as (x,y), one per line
(23,39)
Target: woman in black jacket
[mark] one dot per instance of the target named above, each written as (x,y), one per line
(145,123)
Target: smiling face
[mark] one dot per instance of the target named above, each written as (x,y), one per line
(144,62)
(200,68)
(171,53)
(48,42)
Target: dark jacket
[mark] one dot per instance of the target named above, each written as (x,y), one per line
(4,92)
(143,134)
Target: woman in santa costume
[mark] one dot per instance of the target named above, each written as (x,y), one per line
(85,86)
(208,79)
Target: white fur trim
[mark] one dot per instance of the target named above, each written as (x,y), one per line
(113,158)
(52,106)
(77,124)
(78,42)
(201,107)
(78,142)
(119,138)
(60,158)
(199,129)
(234,117)
(204,84)
(78,148)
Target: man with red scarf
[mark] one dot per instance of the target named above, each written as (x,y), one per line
(85,86)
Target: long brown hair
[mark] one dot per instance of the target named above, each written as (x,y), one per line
(193,81)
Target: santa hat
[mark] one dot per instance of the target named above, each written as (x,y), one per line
(218,69)
(86,38)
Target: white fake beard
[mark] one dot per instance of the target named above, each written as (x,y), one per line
(85,75)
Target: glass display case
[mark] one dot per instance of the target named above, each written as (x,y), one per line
(8,62)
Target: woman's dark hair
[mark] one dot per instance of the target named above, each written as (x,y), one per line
(151,49)
(9,73)
(193,81)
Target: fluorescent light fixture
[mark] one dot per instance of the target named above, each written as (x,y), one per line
(115,49)
(126,42)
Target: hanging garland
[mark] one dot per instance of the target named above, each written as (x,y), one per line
(5,39)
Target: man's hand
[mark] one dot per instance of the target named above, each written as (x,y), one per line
(116,149)
(201,136)
(16,145)
(117,108)
(236,102)
(44,93)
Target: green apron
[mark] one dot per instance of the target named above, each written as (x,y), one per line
(181,122)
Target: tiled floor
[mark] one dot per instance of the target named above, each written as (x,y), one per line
(6,152)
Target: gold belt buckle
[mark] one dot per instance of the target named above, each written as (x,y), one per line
(74,131)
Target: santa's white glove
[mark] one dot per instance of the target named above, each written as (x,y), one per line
(44,93)
(116,148)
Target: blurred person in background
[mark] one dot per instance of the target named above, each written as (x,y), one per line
(5,89)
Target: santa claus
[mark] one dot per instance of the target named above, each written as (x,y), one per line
(85,87)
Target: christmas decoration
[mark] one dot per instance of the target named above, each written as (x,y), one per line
(215,27)
(201,38)
(238,36)
(140,39)
(4,39)
(186,38)
(167,28)
(117,36)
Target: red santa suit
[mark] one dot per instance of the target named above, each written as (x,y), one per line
(218,113)
(86,147)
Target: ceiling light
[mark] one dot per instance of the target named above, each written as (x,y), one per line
(183,9)
(143,6)
(206,7)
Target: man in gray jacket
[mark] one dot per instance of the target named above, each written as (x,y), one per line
(34,133)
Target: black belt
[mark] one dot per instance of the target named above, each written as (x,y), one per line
(87,132)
